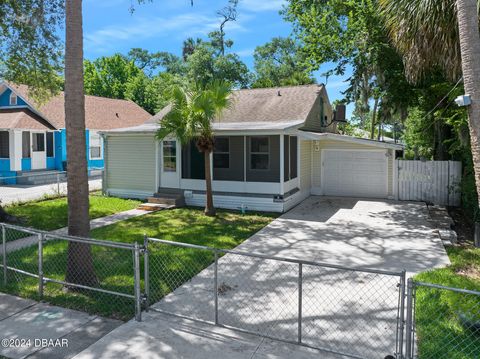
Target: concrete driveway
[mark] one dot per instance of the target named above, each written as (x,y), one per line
(344,311)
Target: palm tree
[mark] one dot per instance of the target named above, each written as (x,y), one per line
(80,268)
(441,35)
(190,118)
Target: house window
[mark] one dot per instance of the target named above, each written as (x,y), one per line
(50,144)
(26,144)
(259,153)
(95,146)
(13,99)
(221,153)
(4,144)
(169,156)
(38,142)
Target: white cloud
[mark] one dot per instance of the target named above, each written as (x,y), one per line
(182,26)
(262,5)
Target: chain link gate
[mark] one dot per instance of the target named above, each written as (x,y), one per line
(442,322)
(356,313)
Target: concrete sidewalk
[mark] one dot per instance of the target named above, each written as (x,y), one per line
(32,322)
(23,193)
(161,336)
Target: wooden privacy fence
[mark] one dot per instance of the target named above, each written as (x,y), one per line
(437,182)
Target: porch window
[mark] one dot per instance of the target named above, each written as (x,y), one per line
(26,144)
(4,144)
(50,151)
(169,156)
(221,153)
(38,142)
(259,153)
(95,146)
(13,99)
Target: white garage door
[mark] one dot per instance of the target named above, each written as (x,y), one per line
(355,173)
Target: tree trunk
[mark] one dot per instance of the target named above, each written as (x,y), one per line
(80,268)
(470,50)
(374,118)
(209,209)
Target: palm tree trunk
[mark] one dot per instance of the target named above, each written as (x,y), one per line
(80,268)
(209,209)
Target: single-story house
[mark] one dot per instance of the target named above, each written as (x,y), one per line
(33,138)
(273,148)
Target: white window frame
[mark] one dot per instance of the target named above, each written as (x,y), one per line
(13,101)
(92,134)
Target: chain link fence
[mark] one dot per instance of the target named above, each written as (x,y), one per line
(337,309)
(442,322)
(98,277)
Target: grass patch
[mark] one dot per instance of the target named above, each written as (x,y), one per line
(52,214)
(448,323)
(170,267)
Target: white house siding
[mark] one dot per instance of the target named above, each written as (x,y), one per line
(236,202)
(305,167)
(318,146)
(130,164)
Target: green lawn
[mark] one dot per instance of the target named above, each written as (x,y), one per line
(448,323)
(52,214)
(170,267)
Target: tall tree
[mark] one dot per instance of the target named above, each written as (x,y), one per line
(190,118)
(226,14)
(80,268)
(351,33)
(441,35)
(280,62)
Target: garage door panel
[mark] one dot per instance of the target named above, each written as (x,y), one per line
(355,173)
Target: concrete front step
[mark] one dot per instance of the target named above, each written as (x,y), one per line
(167,199)
(153,207)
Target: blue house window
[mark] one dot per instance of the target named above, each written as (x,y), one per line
(4,144)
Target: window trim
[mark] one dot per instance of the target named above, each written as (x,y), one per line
(13,95)
(169,156)
(90,133)
(222,153)
(29,147)
(259,153)
(44,136)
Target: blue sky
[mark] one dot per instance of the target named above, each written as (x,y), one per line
(162,25)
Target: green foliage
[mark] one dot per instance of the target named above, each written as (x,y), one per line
(192,111)
(280,62)
(30,49)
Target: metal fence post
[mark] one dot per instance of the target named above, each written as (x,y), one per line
(402,316)
(146,274)
(40,264)
(4,253)
(300,292)
(215,284)
(136,285)
(409,325)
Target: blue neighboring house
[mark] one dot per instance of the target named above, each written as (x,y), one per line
(33,138)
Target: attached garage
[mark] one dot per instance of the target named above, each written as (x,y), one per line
(361,173)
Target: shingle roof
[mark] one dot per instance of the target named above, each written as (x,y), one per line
(100,113)
(23,119)
(276,104)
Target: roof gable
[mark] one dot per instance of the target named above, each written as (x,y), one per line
(5,99)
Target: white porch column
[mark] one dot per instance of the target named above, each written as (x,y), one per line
(15,150)
(282,164)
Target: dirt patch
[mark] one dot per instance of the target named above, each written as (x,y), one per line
(470,272)
(463,225)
